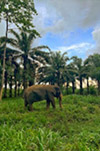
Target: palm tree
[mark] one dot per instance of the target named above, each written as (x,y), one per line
(23,42)
(94,62)
(71,75)
(87,73)
(54,71)
(80,71)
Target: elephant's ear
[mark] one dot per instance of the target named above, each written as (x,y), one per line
(56,90)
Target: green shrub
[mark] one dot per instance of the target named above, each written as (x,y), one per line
(93,90)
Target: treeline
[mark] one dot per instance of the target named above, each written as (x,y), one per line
(26,66)
(21,65)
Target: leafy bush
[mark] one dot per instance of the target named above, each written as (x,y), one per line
(65,92)
(93,90)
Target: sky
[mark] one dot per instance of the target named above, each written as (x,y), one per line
(68,26)
(72,26)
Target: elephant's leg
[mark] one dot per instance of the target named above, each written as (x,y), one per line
(53,103)
(25,103)
(48,104)
(60,104)
(60,101)
(30,107)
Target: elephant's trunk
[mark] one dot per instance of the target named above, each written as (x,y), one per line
(60,100)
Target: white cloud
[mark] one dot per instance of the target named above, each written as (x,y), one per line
(64,16)
(96,37)
(75,47)
(76,50)
(67,15)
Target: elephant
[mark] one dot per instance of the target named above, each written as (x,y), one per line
(37,93)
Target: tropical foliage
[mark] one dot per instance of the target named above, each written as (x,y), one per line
(22,64)
(27,65)
(19,13)
(54,71)
(77,126)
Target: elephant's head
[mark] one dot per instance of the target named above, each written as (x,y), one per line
(58,94)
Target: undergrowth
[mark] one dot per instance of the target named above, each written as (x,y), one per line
(75,128)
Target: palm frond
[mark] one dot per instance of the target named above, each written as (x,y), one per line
(2,40)
(40,47)
(33,34)
(16,34)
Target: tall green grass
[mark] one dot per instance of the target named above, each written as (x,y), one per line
(75,128)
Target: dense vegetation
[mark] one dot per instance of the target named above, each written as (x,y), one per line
(38,67)
(22,65)
(75,128)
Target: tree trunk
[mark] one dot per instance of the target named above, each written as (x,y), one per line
(18,88)
(58,79)
(6,80)
(31,82)
(99,87)
(25,72)
(10,86)
(73,87)
(67,87)
(87,85)
(4,59)
(15,90)
(81,86)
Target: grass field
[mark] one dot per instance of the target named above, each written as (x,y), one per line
(75,128)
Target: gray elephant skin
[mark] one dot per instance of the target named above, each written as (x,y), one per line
(37,93)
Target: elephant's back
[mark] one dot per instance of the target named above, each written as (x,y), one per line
(39,87)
